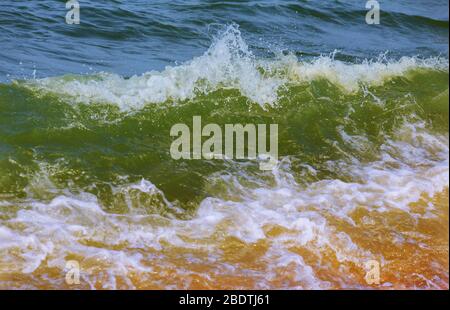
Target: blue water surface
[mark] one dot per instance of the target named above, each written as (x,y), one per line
(134,36)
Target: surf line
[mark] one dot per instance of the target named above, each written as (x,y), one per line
(213,147)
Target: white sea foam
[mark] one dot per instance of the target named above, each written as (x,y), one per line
(228,63)
(350,76)
(46,232)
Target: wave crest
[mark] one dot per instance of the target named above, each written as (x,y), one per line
(227,64)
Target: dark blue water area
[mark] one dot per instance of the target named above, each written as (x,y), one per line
(135,36)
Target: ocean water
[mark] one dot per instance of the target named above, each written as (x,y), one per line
(86,173)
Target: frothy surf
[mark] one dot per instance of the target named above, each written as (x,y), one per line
(281,233)
(383,195)
(228,64)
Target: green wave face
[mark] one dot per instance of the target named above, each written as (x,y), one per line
(362,175)
(93,147)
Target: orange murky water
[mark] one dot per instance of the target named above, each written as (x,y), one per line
(413,254)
